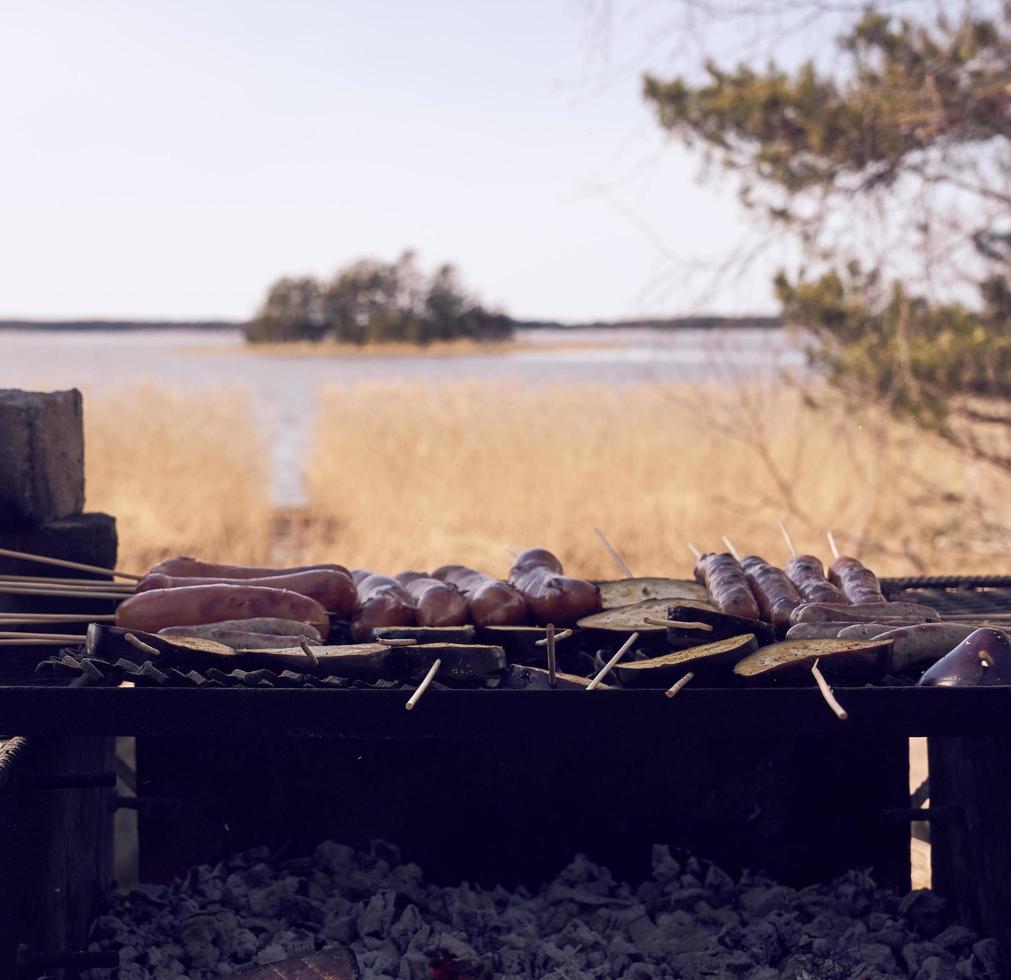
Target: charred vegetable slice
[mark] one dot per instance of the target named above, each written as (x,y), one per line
(724,625)
(629,591)
(707,660)
(462,663)
(527,678)
(790,662)
(427,634)
(519,642)
(614,625)
(982,659)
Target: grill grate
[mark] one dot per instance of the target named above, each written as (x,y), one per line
(954,595)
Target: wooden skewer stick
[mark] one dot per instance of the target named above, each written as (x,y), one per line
(788,539)
(564,635)
(307,650)
(705,627)
(37,619)
(423,686)
(695,551)
(62,637)
(396,641)
(511,551)
(59,587)
(674,688)
(731,548)
(826,693)
(139,644)
(80,566)
(615,557)
(84,582)
(832,544)
(549,639)
(60,593)
(609,666)
(33,643)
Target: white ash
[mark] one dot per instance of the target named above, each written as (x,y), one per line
(691,920)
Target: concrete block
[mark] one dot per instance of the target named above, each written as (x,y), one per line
(41,455)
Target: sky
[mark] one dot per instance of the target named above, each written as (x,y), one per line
(171,159)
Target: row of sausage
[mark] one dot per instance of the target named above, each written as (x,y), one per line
(184,592)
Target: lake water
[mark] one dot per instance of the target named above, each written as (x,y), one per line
(284,389)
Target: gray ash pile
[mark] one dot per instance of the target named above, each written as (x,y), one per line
(690,920)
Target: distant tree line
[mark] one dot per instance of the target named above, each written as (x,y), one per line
(372,301)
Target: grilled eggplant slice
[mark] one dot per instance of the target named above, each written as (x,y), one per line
(519,642)
(612,626)
(724,625)
(841,661)
(526,678)
(629,591)
(982,659)
(466,664)
(709,662)
(427,634)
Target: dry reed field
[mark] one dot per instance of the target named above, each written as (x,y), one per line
(182,473)
(416,475)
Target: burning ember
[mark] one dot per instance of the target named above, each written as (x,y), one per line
(690,920)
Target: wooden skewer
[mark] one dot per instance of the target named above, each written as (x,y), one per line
(511,551)
(63,563)
(44,587)
(832,544)
(85,582)
(549,639)
(139,644)
(674,688)
(695,551)
(826,693)
(396,641)
(307,650)
(609,666)
(423,686)
(615,557)
(36,619)
(705,627)
(564,635)
(33,643)
(731,548)
(60,593)
(62,637)
(788,539)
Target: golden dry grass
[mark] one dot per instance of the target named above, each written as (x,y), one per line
(418,475)
(182,473)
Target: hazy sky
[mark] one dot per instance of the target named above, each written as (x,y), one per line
(170,159)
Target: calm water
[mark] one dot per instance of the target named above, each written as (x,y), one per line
(284,389)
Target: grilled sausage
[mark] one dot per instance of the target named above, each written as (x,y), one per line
(728,585)
(808,576)
(333,590)
(858,583)
(193,605)
(776,595)
(382,601)
(191,568)
(552,597)
(439,604)
(491,602)
(820,612)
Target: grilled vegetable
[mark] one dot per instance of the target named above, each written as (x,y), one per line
(629,591)
(527,678)
(427,634)
(613,625)
(519,642)
(925,642)
(839,660)
(982,659)
(264,624)
(723,624)
(462,663)
(871,612)
(708,662)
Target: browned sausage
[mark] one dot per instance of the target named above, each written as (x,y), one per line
(382,601)
(191,568)
(196,604)
(699,571)
(807,574)
(552,597)
(491,602)
(858,583)
(775,593)
(334,591)
(439,604)
(728,585)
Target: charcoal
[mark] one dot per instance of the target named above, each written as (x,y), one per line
(690,919)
